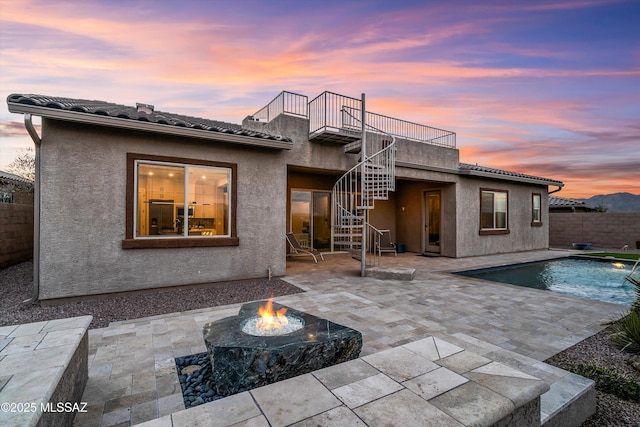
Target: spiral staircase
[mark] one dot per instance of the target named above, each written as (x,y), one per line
(355,193)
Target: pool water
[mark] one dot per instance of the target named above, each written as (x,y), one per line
(594,279)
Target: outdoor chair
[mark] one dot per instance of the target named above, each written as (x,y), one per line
(385,244)
(297,249)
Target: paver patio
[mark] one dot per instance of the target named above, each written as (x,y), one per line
(132,375)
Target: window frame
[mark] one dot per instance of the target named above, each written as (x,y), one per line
(534,222)
(132,242)
(494,231)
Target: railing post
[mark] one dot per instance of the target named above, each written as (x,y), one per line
(363,151)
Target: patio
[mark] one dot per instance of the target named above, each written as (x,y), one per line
(132,374)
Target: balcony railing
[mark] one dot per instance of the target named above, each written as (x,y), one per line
(285,103)
(333,114)
(327,113)
(407,130)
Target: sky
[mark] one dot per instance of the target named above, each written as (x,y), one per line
(547,88)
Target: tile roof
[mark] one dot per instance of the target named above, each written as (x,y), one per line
(6,176)
(561,202)
(102,108)
(506,174)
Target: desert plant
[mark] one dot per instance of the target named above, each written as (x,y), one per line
(626,332)
(634,279)
(609,381)
(626,329)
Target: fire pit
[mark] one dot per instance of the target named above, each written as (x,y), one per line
(268,342)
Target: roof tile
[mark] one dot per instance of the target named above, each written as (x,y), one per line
(485,169)
(110,109)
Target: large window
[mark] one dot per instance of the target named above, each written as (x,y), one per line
(536,210)
(494,215)
(174,202)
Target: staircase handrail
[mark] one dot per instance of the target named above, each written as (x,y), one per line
(348,203)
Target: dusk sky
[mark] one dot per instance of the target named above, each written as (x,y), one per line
(548,88)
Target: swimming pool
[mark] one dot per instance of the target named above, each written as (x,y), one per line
(602,280)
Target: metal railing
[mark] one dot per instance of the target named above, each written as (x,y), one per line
(355,193)
(289,103)
(406,130)
(337,113)
(326,112)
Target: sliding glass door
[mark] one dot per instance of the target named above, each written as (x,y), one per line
(311,218)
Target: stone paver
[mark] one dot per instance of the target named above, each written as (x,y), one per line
(293,400)
(512,325)
(39,363)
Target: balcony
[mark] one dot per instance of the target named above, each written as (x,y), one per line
(335,118)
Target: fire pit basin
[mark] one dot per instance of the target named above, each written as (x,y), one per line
(241,361)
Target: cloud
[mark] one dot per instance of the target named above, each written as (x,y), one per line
(14,129)
(518,90)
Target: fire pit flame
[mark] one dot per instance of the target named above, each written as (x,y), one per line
(271,323)
(269,319)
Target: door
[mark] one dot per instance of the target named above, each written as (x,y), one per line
(311,218)
(432,223)
(321,221)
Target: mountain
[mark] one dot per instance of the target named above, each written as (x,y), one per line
(618,202)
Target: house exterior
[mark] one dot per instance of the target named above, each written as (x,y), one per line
(131,198)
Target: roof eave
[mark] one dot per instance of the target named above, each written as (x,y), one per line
(117,122)
(537,181)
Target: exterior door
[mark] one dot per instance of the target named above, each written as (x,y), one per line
(311,218)
(432,221)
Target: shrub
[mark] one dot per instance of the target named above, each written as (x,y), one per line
(609,381)
(626,332)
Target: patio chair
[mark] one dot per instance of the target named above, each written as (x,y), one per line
(385,244)
(297,249)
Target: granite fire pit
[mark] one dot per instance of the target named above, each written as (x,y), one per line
(241,361)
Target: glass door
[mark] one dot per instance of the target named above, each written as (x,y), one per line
(432,221)
(321,224)
(311,219)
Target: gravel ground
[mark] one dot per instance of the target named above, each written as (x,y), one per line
(15,286)
(610,410)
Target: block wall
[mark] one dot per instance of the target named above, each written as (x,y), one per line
(16,233)
(605,230)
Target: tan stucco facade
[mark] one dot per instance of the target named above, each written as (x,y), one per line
(84,206)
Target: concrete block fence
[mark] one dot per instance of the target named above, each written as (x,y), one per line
(605,230)
(16,233)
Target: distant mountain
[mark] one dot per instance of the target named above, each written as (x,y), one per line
(618,202)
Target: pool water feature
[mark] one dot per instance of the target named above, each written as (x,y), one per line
(602,280)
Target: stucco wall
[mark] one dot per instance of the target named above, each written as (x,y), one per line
(522,236)
(410,213)
(419,153)
(601,229)
(83,214)
(16,233)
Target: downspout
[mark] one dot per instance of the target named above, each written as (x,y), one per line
(556,190)
(28,124)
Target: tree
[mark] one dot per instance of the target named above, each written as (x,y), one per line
(24,165)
